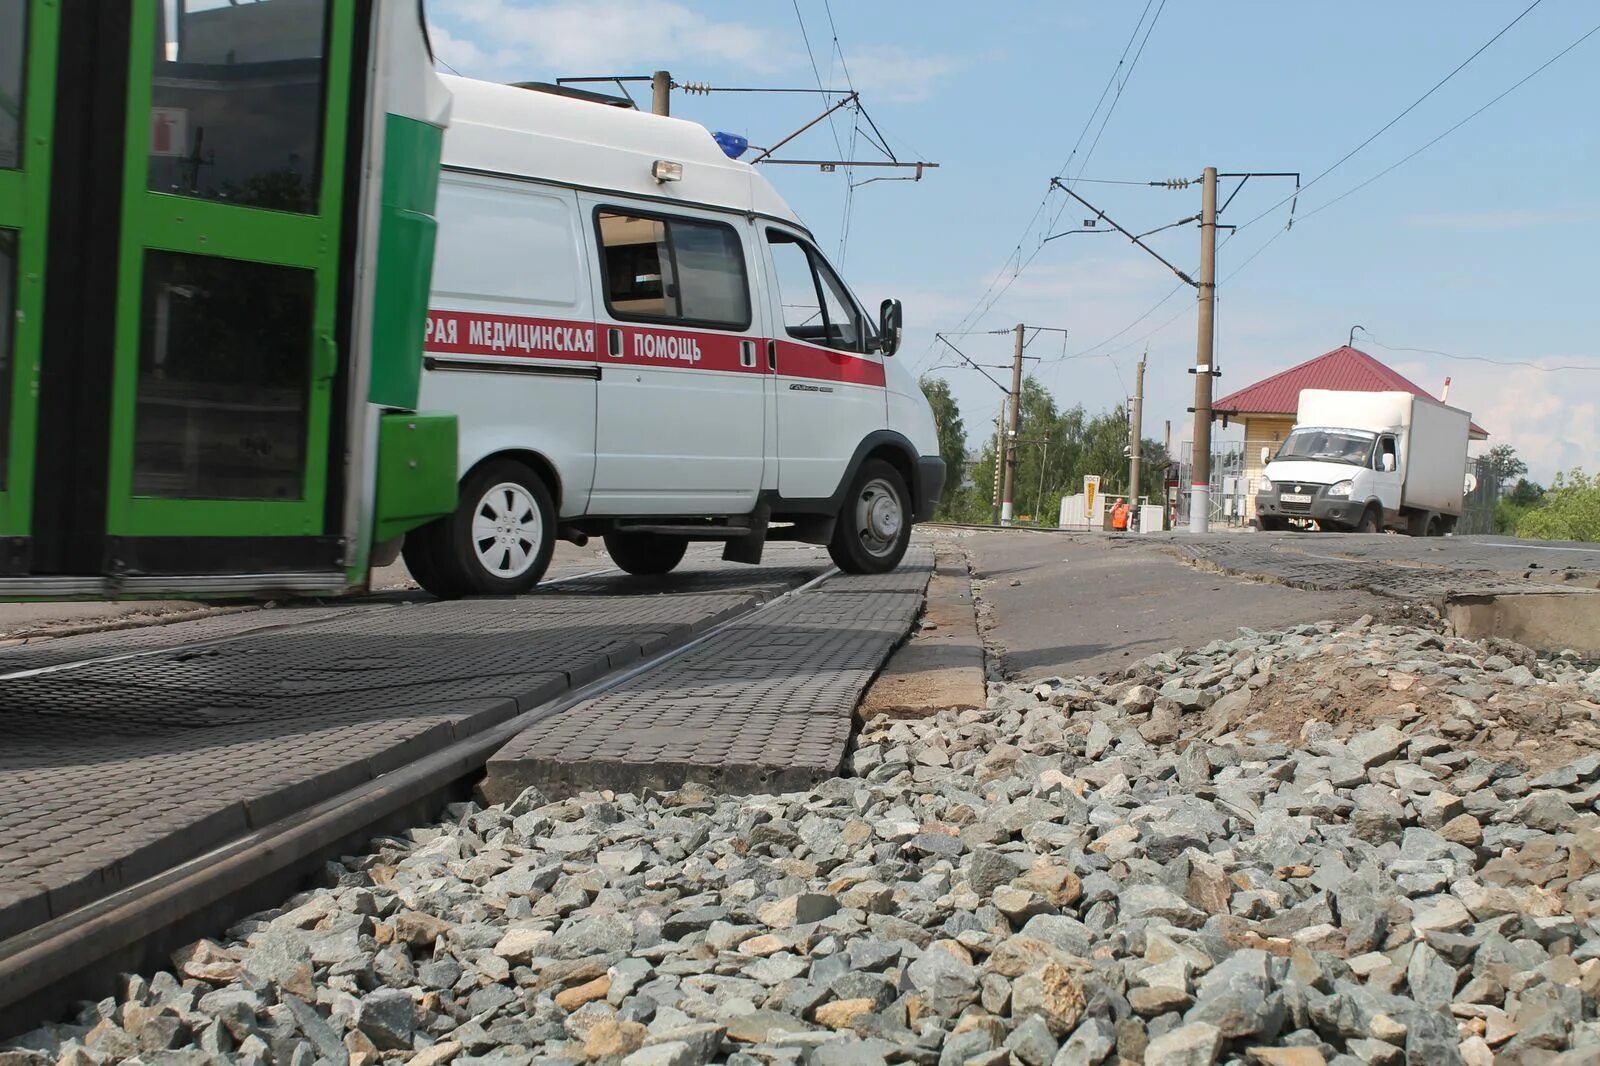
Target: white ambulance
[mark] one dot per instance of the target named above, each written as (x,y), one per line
(642,342)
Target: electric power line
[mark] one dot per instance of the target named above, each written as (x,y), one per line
(1409,108)
(1485,359)
(1419,150)
(1412,155)
(817,73)
(1038,212)
(855,132)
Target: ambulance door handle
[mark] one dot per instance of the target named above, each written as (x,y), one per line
(614,341)
(772,356)
(747,354)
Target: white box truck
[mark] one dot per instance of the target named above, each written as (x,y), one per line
(643,342)
(1368,461)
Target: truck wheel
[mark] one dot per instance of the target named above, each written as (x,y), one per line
(645,554)
(1421,523)
(1435,526)
(497,543)
(1369,522)
(874,524)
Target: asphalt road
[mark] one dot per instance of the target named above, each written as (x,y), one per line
(1064,604)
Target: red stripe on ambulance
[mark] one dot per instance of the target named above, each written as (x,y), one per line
(480,333)
(825,364)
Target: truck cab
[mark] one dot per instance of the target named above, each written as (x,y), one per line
(1341,478)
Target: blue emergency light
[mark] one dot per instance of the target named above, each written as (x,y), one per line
(733,146)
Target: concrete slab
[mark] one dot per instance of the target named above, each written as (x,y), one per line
(128,753)
(1549,622)
(941,666)
(762,705)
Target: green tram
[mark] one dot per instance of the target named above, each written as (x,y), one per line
(216,243)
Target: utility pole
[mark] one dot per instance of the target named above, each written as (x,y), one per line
(999,462)
(1007,509)
(1206,292)
(1204,372)
(661,93)
(1136,434)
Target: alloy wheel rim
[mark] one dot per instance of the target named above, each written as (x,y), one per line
(507,530)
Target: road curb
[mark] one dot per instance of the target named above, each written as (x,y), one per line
(940,667)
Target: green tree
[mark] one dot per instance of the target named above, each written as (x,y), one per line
(1056,450)
(1571,510)
(1504,464)
(1526,493)
(952,439)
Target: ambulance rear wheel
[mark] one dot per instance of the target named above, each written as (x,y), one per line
(497,543)
(645,554)
(874,525)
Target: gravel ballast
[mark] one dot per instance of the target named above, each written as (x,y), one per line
(1358,844)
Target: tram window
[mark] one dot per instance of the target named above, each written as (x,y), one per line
(224,365)
(236,111)
(13,39)
(8,308)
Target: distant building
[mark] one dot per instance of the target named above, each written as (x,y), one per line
(1267,409)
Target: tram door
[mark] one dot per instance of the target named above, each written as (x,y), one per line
(172,190)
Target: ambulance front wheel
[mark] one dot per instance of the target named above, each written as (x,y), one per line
(874,524)
(498,542)
(645,554)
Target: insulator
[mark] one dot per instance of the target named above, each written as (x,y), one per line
(696,88)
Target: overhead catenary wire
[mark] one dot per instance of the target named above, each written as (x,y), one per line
(817,73)
(1346,157)
(1088,155)
(1039,211)
(1421,148)
(848,211)
(1408,109)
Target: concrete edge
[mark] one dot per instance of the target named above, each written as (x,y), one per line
(941,667)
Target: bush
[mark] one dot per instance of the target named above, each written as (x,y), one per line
(1571,510)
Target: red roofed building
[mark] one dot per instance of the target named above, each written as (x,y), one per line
(1267,409)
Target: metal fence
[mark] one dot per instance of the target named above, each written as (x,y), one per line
(1478,514)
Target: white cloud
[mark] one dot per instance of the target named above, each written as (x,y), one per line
(461,55)
(594,37)
(539,39)
(892,74)
(1550,418)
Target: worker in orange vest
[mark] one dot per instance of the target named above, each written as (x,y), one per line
(1119,516)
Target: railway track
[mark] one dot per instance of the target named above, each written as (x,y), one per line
(78,955)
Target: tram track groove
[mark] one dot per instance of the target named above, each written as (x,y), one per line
(254,631)
(78,955)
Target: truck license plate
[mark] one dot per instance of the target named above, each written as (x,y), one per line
(1295,497)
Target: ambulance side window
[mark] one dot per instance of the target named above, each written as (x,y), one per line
(816,306)
(677,270)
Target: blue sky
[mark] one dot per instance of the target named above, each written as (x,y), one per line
(1483,245)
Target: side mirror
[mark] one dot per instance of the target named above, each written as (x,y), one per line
(1266,455)
(889,315)
(1387,462)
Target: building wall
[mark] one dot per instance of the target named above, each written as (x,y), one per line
(1260,431)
